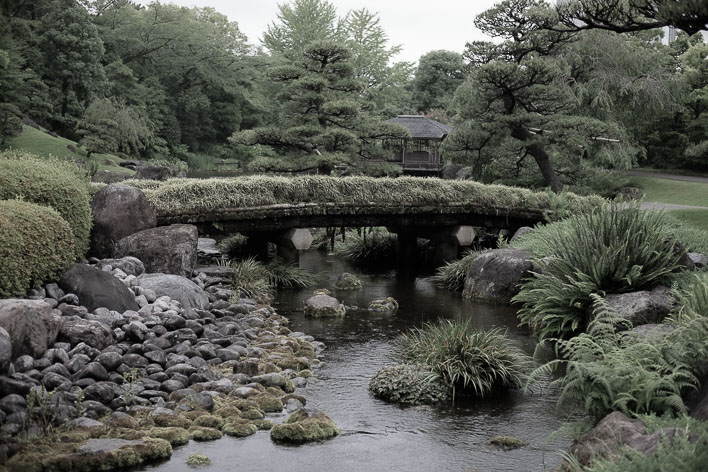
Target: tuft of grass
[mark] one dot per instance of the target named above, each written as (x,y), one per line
(467,360)
(253,279)
(283,275)
(608,250)
(453,274)
(372,248)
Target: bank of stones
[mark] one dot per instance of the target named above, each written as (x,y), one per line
(159,373)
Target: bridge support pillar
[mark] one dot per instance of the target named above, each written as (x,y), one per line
(448,242)
(291,242)
(406,253)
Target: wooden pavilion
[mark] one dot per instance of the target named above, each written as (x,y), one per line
(420,153)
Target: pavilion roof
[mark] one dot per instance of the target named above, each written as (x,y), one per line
(422,127)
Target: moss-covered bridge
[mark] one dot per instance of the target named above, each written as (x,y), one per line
(280,209)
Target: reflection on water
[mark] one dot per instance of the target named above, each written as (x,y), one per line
(378,436)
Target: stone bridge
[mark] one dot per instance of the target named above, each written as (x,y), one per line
(450,226)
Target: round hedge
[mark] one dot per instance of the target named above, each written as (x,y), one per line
(53,183)
(36,244)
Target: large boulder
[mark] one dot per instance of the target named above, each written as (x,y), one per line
(700,411)
(32,325)
(96,288)
(165,249)
(322,305)
(129,265)
(495,275)
(93,333)
(178,288)
(642,307)
(5,350)
(118,211)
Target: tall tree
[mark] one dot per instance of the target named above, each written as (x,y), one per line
(438,75)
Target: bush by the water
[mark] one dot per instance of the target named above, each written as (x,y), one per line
(53,183)
(608,370)
(607,250)
(468,360)
(36,244)
(409,384)
(452,275)
(254,279)
(376,247)
(233,246)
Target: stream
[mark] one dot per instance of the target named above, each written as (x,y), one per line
(377,436)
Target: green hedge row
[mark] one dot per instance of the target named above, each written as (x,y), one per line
(36,244)
(58,184)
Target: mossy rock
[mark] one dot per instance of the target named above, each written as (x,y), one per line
(94,455)
(197,460)
(263,424)
(268,403)
(175,436)
(36,245)
(241,403)
(253,414)
(227,412)
(240,430)
(347,281)
(52,183)
(208,421)
(304,426)
(408,384)
(386,305)
(507,442)
(306,373)
(172,421)
(294,363)
(203,433)
(275,391)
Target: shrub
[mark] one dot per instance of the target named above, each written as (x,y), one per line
(453,274)
(283,275)
(408,384)
(610,249)
(607,370)
(466,359)
(234,246)
(376,247)
(254,279)
(53,183)
(36,245)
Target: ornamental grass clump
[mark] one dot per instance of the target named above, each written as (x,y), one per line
(608,250)
(453,274)
(253,279)
(375,248)
(467,360)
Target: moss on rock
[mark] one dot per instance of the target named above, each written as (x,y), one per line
(209,421)
(268,403)
(198,459)
(507,442)
(203,433)
(303,426)
(239,430)
(175,436)
(253,414)
(408,384)
(263,424)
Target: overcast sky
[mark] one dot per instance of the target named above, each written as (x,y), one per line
(418,25)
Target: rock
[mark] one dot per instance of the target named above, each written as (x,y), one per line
(5,350)
(12,403)
(130,265)
(207,249)
(32,325)
(384,305)
(520,232)
(86,423)
(324,306)
(97,288)
(93,370)
(109,360)
(118,211)
(165,249)
(103,392)
(408,384)
(700,411)
(642,307)
(274,379)
(178,288)
(347,281)
(93,333)
(305,426)
(651,333)
(495,275)
(699,260)
(70,299)
(53,291)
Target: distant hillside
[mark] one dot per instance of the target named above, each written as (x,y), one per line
(41,143)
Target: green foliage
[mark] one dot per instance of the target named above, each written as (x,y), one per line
(283,275)
(453,274)
(254,279)
(438,75)
(203,195)
(234,246)
(408,384)
(198,460)
(36,245)
(374,247)
(607,250)
(607,370)
(466,359)
(57,184)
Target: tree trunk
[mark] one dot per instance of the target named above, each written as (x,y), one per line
(543,160)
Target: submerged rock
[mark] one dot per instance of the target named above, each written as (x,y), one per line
(495,275)
(305,426)
(384,305)
(324,306)
(347,281)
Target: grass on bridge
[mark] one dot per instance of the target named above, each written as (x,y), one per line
(190,196)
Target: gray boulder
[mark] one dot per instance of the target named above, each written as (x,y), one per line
(642,307)
(165,249)
(76,330)
(97,288)
(178,288)
(118,211)
(129,265)
(5,350)
(495,275)
(321,305)
(32,325)
(520,232)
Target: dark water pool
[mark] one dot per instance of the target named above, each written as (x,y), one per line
(379,436)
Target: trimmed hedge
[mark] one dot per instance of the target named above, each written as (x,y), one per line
(54,183)
(36,244)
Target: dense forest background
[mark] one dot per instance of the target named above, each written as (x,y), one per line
(538,106)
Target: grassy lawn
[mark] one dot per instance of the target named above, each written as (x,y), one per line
(42,143)
(673,191)
(696,218)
